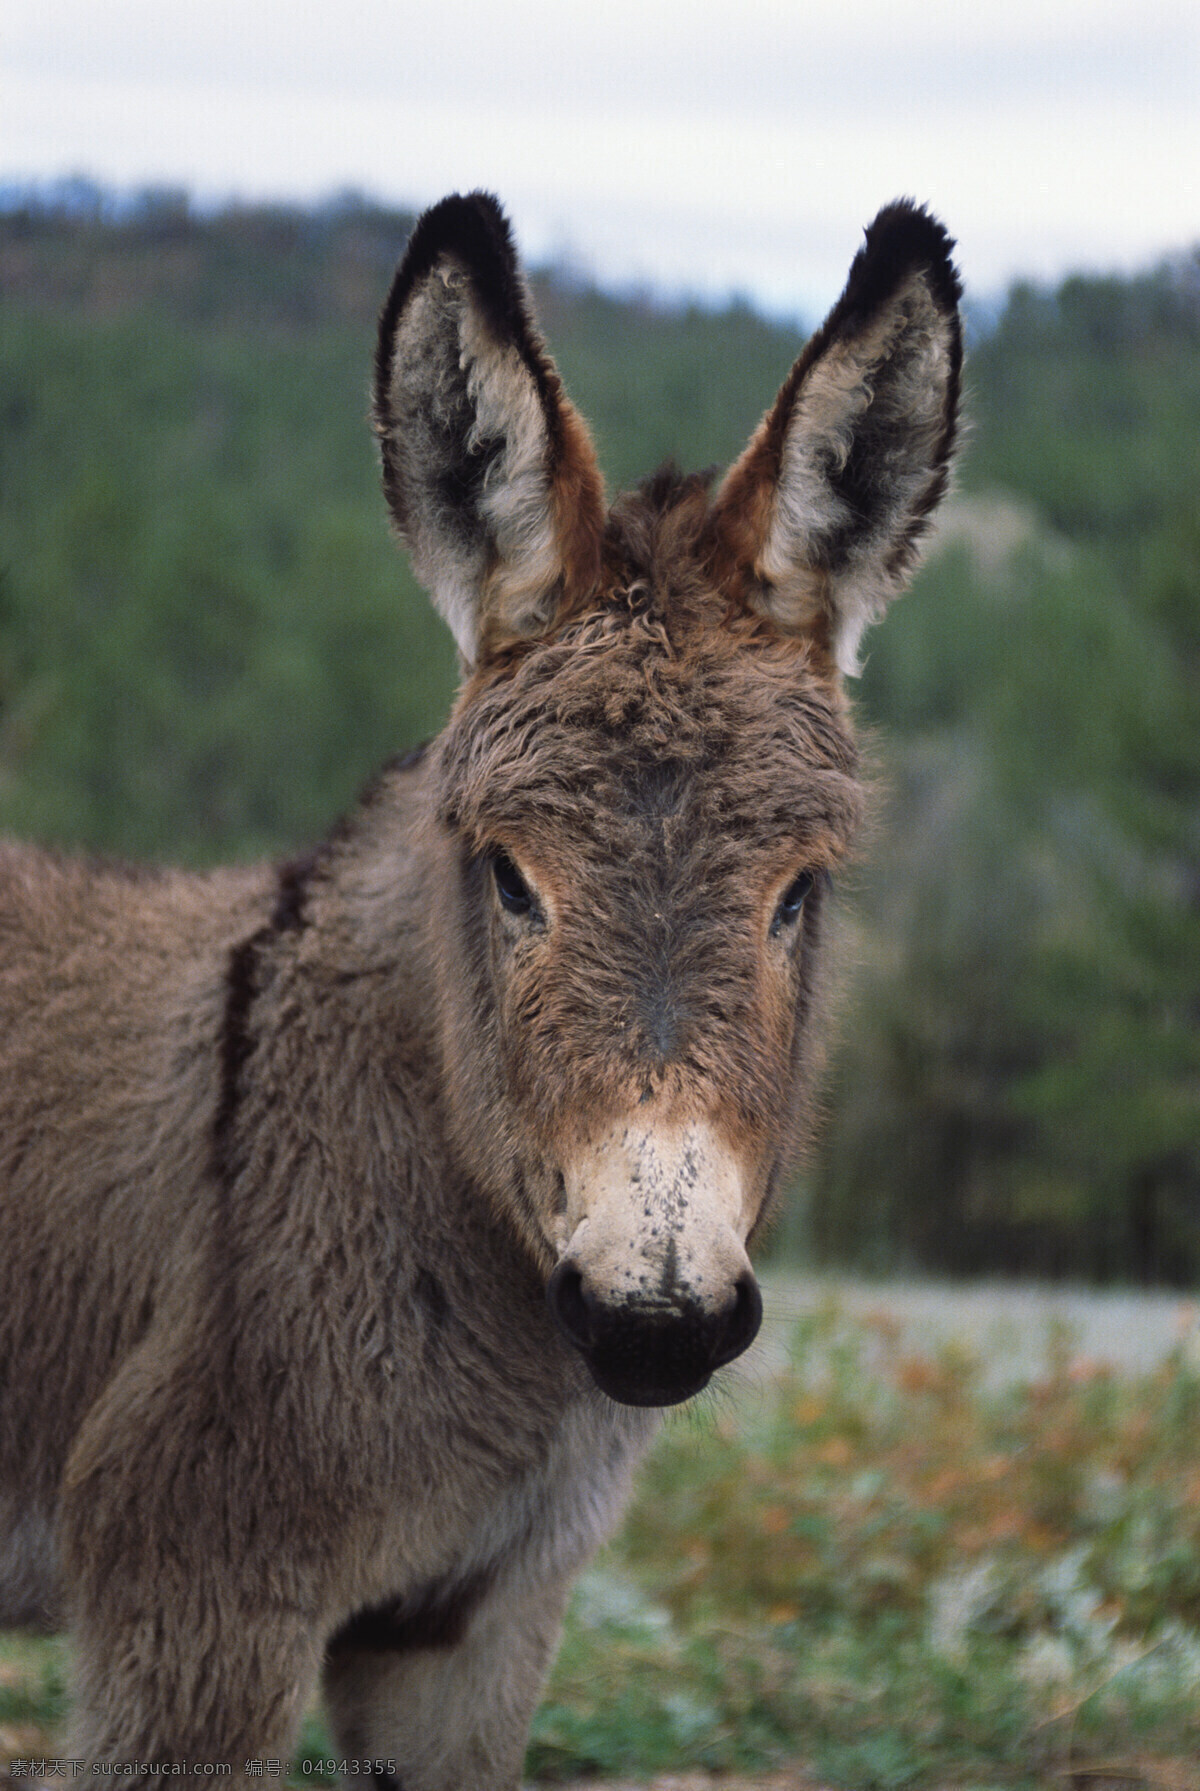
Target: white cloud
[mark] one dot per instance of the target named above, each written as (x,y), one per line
(660,139)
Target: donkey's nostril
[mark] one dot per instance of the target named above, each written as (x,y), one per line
(652,1352)
(571,1307)
(741,1321)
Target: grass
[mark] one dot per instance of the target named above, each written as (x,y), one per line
(900,1573)
(882,1564)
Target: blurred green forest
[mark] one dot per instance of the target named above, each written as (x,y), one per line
(207,643)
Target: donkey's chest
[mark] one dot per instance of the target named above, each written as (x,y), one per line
(537,1525)
(550,1517)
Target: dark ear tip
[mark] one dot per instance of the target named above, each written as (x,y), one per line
(471,227)
(903,237)
(459,220)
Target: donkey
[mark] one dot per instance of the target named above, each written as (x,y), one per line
(359,1215)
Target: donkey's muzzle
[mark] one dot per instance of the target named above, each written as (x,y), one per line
(652,1352)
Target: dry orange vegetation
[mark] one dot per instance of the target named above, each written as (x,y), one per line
(882,1570)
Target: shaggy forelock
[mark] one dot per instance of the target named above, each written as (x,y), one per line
(666,762)
(661,689)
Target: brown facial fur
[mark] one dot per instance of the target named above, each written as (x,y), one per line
(355,1209)
(661,772)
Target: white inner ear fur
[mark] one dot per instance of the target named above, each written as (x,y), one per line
(887,385)
(421,397)
(517,500)
(508,565)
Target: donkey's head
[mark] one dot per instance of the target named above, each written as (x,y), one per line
(649,775)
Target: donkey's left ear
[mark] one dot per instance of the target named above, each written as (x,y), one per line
(818,522)
(488,469)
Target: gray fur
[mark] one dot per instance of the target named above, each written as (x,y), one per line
(358,1213)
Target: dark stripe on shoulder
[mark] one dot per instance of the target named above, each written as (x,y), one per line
(294,882)
(435,1616)
(294,878)
(236,1043)
(243,982)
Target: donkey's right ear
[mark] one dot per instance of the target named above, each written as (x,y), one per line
(488,469)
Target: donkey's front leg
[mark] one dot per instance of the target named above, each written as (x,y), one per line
(220,1695)
(444,1706)
(196,1594)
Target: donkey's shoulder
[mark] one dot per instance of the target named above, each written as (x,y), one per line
(57,898)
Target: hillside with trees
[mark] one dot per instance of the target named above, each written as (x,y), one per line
(207,642)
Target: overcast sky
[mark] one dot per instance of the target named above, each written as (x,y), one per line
(688,143)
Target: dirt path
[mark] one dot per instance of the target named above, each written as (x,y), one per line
(1007,1323)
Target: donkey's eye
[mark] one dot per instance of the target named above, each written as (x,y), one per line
(792,901)
(511,887)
